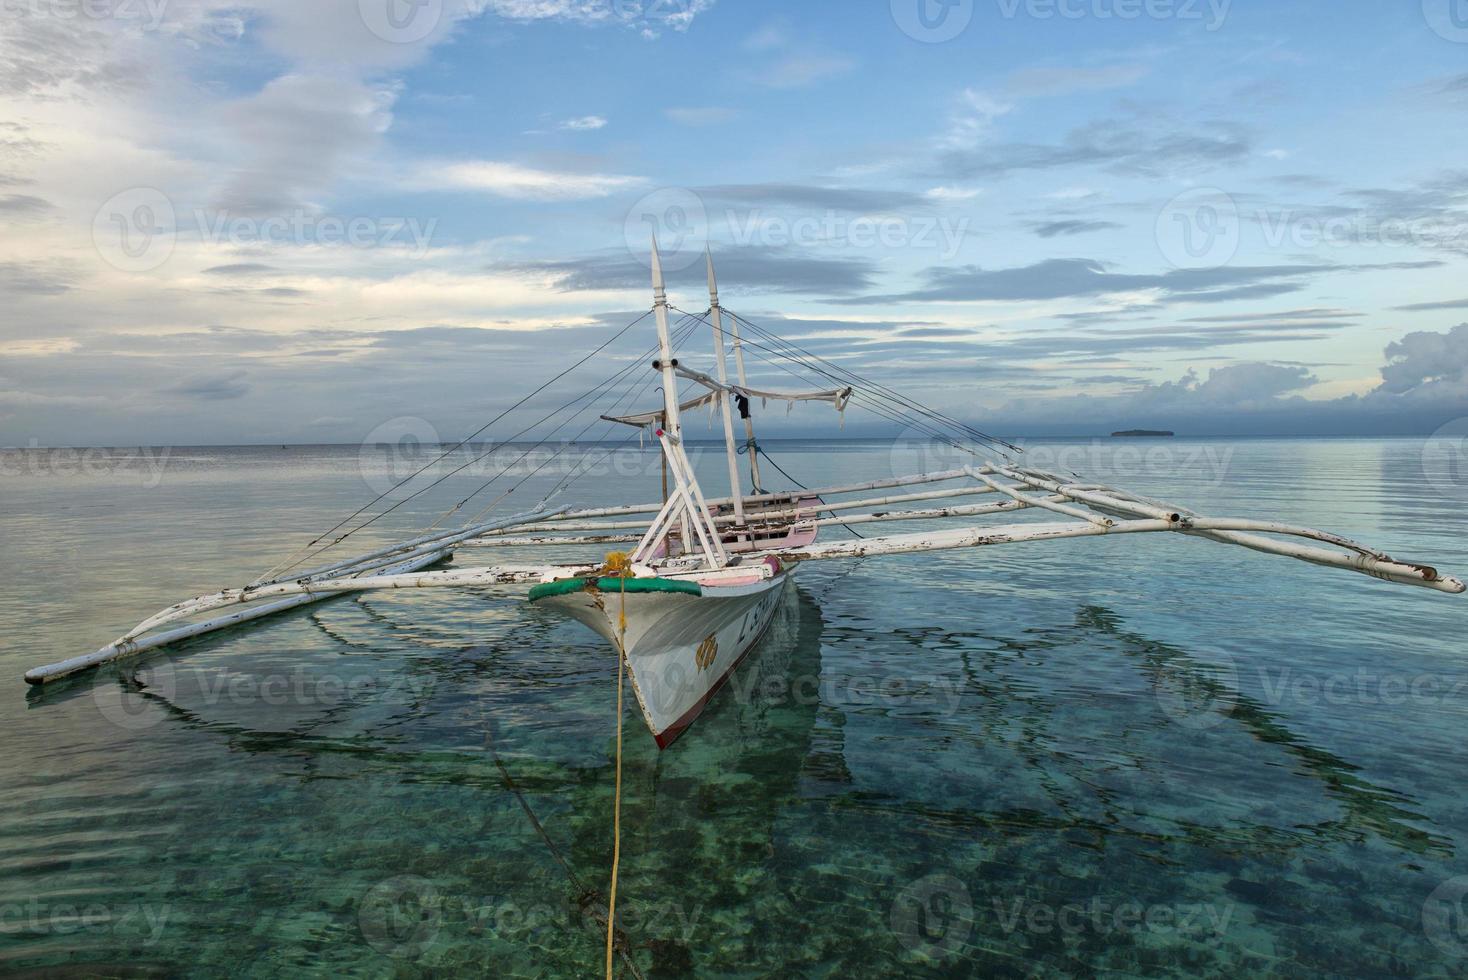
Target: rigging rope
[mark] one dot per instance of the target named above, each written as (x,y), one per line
(879,408)
(891,393)
(563,407)
(455,448)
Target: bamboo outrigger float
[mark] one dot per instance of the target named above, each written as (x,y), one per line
(702,580)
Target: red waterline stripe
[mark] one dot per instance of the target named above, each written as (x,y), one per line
(671,734)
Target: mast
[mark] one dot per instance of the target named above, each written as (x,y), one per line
(748,422)
(671,421)
(685,504)
(735,492)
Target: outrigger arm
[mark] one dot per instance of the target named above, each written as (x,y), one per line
(1096,510)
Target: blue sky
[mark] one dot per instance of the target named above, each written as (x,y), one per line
(288,222)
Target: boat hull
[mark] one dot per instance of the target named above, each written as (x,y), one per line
(681,645)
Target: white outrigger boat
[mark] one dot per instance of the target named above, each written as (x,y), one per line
(702,582)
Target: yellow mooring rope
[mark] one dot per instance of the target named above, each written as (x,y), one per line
(620,565)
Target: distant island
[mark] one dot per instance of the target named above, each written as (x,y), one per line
(1141,433)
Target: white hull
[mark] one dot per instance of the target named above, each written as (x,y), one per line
(681,648)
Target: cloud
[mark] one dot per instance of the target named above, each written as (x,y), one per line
(1446,304)
(1424,384)
(583,124)
(35,278)
(517,182)
(1051,229)
(24,205)
(239,269)
(221,386)
(1031,83)
(701,115)
(952,194)
(749,269)
(799,69)
(784,62)
(974,119)
(1422,359)
(1137,148)
(648,17)
(297,134)
(1065,278)
(857,200)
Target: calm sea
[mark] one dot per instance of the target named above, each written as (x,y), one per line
(1151,756)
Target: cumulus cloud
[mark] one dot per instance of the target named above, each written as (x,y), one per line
(1424,383)
(1422,360)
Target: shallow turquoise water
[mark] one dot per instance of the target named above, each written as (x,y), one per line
(1147,756)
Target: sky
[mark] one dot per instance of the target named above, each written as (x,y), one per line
(287,221)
